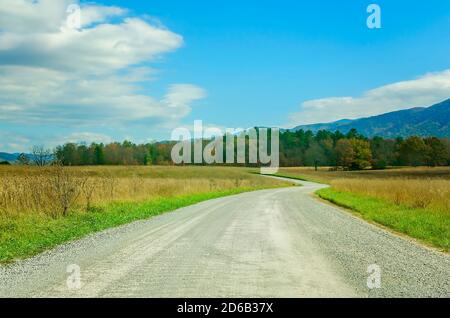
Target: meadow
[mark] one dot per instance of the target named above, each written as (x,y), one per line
(328,174)
(41,207)
(56,191)
(413,201)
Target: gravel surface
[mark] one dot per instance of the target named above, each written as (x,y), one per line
(270,243)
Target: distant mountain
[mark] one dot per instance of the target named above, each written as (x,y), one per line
(419,121)
(11,157)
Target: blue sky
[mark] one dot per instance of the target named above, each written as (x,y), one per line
(228,63)
(259,60)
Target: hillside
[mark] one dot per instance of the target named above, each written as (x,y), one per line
(420,121)
(8,156)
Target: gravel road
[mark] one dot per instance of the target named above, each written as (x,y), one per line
(270,243)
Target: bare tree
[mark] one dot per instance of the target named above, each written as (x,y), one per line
(41,156)
(65,189)
(87,190)
(23,160)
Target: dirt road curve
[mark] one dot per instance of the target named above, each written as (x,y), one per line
(271,243)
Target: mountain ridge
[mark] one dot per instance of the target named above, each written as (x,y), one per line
(418,121)
(10,157)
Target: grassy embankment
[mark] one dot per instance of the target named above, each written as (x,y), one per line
(43,207)
(413,201)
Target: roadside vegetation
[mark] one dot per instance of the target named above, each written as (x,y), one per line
(426,224)
(328,174)
(414,201)
(45,194)
(41,207)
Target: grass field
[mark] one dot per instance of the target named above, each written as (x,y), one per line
(43,207)
(414,201)
(56,190)
(325,175)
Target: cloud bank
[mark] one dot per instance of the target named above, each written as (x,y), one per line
(425,90)
(52,73)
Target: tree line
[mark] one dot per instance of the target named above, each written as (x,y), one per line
(351,151)
(354,151)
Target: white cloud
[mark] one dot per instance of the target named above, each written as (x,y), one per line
(422,91)
(52,74)
(87,137)
(100,49)
(12,142)
(180,96)
(96,14)
(28,16)
(36,34)
(75,100)
(19,142)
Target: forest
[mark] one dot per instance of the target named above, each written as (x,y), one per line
(351,151)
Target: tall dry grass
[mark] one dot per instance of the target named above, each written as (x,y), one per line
(433,194)
(55,191)
(327,174)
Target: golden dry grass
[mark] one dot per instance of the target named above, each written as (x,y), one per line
(55,190)
(325,175)
(420,187)
(432,194)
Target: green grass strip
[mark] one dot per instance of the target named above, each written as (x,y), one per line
(30,234)
(293,176)
(432,227)
(287,176)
